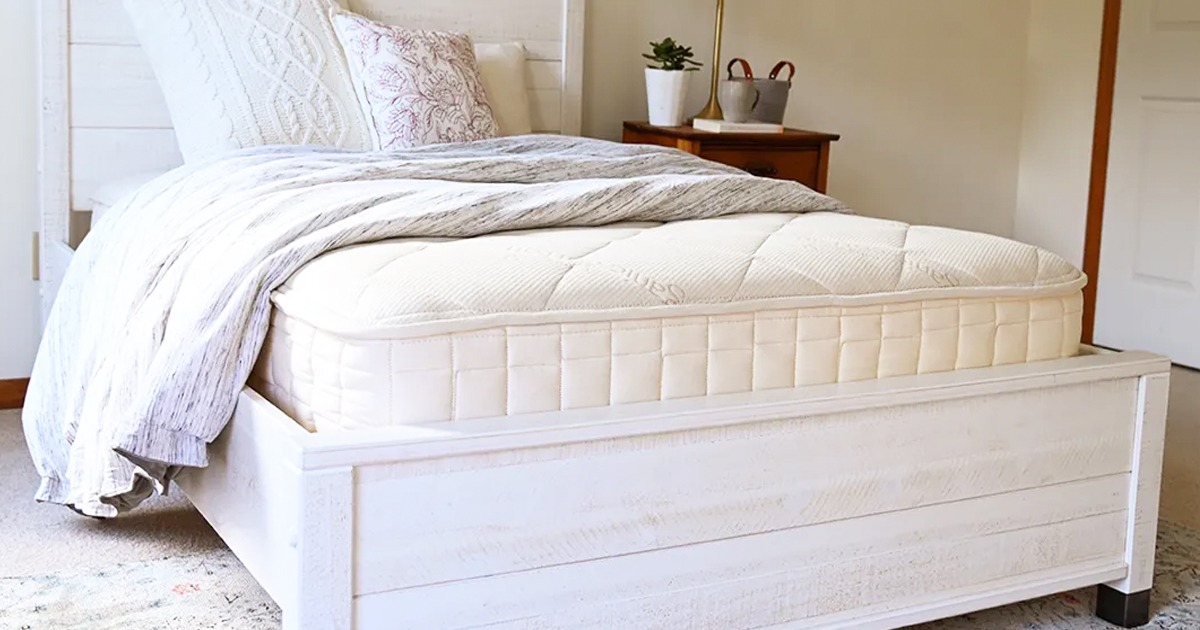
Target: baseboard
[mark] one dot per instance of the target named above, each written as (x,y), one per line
(12,393)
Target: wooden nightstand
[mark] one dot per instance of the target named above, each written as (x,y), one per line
(801,156)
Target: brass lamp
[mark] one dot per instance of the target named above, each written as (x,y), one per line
(713,109)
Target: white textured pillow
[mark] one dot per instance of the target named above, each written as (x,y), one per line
(502,68)
(238,74)
(416,87)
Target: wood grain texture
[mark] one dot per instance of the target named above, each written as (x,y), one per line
(1102,131)
(101,22)
(100,156)
(823,169)
(324,584)
(810,574)
(799,166)
(633,495)
(519,20)
(115,87)
(12,393)
(54,141)
(1149,442)
(789,138)
(796,155)
(250,493)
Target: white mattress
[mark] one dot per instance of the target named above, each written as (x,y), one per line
(416,331)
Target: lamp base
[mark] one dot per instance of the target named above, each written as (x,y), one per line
(712,111)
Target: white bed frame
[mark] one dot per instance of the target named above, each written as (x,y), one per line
(874,504)
(862,505)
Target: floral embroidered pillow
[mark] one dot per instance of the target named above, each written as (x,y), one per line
(416,87)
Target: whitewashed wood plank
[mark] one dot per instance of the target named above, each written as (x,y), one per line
(544,75)
(574,30)
(323,584)
(1149,443)
(105,22)
(250,493)
(545,111)
(54,139)
(709,588)
(114,87)
(518,20)
(635,494)
(100,156)
(101,22)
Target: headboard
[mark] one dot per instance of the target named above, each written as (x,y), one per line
(104,118)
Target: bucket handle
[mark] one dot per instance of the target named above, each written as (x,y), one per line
(745,68)
(779,68)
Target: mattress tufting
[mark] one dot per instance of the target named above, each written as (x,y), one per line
(425,330)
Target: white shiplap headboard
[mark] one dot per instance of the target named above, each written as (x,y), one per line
(104,117)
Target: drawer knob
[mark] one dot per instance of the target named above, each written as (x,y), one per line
(762,170)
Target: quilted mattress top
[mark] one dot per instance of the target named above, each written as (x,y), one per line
(418,287)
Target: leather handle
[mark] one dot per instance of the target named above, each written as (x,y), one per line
(779,68)
(762,170)
(745,68)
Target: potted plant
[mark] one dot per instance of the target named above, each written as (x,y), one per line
(667,81)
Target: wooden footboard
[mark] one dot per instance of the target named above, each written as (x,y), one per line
(868,505)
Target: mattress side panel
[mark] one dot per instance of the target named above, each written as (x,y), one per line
(329,382)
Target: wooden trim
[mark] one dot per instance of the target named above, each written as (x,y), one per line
(1111,31)
(823,169)
(12,393)
(54,140)
(574,12)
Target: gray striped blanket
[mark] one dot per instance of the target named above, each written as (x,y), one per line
(164,308)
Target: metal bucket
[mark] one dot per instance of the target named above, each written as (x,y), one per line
(773,94)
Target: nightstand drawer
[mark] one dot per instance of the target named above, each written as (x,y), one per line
(799,166)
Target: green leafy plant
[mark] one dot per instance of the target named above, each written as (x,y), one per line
(669,55)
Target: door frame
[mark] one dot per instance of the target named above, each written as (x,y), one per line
(1097,188)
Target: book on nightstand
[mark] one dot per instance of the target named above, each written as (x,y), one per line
(722,126)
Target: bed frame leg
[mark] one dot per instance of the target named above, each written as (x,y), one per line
(323,597)
(1126,602)
(1125,610)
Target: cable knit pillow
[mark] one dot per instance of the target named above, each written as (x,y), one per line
(416,87)
(240,73)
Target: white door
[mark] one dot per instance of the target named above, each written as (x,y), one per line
(1149,282)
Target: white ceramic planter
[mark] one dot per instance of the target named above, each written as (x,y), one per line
(665,94)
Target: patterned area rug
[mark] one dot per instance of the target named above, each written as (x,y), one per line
(197,592)
(214,591)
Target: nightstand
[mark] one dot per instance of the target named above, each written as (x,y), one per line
(801,156)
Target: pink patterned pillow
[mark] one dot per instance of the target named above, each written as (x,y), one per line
(417,87)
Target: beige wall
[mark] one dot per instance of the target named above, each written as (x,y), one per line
(1056,141)
(18,211)
(927,94)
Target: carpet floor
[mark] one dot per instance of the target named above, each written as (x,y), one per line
(40,539)
(163,568)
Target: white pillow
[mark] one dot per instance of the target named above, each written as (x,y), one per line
(240,74)
(502,68)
